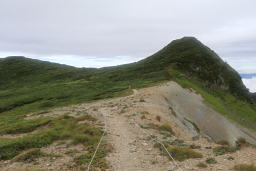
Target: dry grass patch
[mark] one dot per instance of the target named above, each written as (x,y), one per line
(201,165)
(245,167)
(158,118)
(223,142)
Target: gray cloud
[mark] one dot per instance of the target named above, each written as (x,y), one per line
(130,29)
(250,84)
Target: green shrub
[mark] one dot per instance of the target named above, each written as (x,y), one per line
(223,150)
(183,153)
(167,128)
(211,161)
(193,146)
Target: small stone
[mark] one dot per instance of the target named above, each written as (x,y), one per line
(133,149)
(170,168)
(145,144)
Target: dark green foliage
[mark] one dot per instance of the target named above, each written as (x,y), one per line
(211,161)
(223,150)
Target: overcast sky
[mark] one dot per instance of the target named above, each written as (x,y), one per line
(95,33)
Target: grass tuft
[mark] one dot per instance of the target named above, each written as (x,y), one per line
(201,165)
(183,153)
(158,118)
(211,161)
(86,117)
(221,150)
(29,155)
(223,142)
(166,128)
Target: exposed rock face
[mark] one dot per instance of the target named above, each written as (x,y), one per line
(190,108)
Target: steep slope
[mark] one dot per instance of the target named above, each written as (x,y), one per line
(189,56)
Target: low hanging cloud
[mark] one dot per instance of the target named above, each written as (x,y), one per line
(250,83)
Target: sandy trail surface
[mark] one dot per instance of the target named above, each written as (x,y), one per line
(133,149)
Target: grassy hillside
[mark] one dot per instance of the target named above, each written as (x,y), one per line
(28,85)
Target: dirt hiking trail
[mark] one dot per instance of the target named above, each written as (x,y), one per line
(132,121)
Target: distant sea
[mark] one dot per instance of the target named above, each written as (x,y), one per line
(249,81)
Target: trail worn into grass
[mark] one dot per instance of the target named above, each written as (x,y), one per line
(129,122)
(132,148)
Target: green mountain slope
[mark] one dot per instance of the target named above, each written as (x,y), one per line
(28,85)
